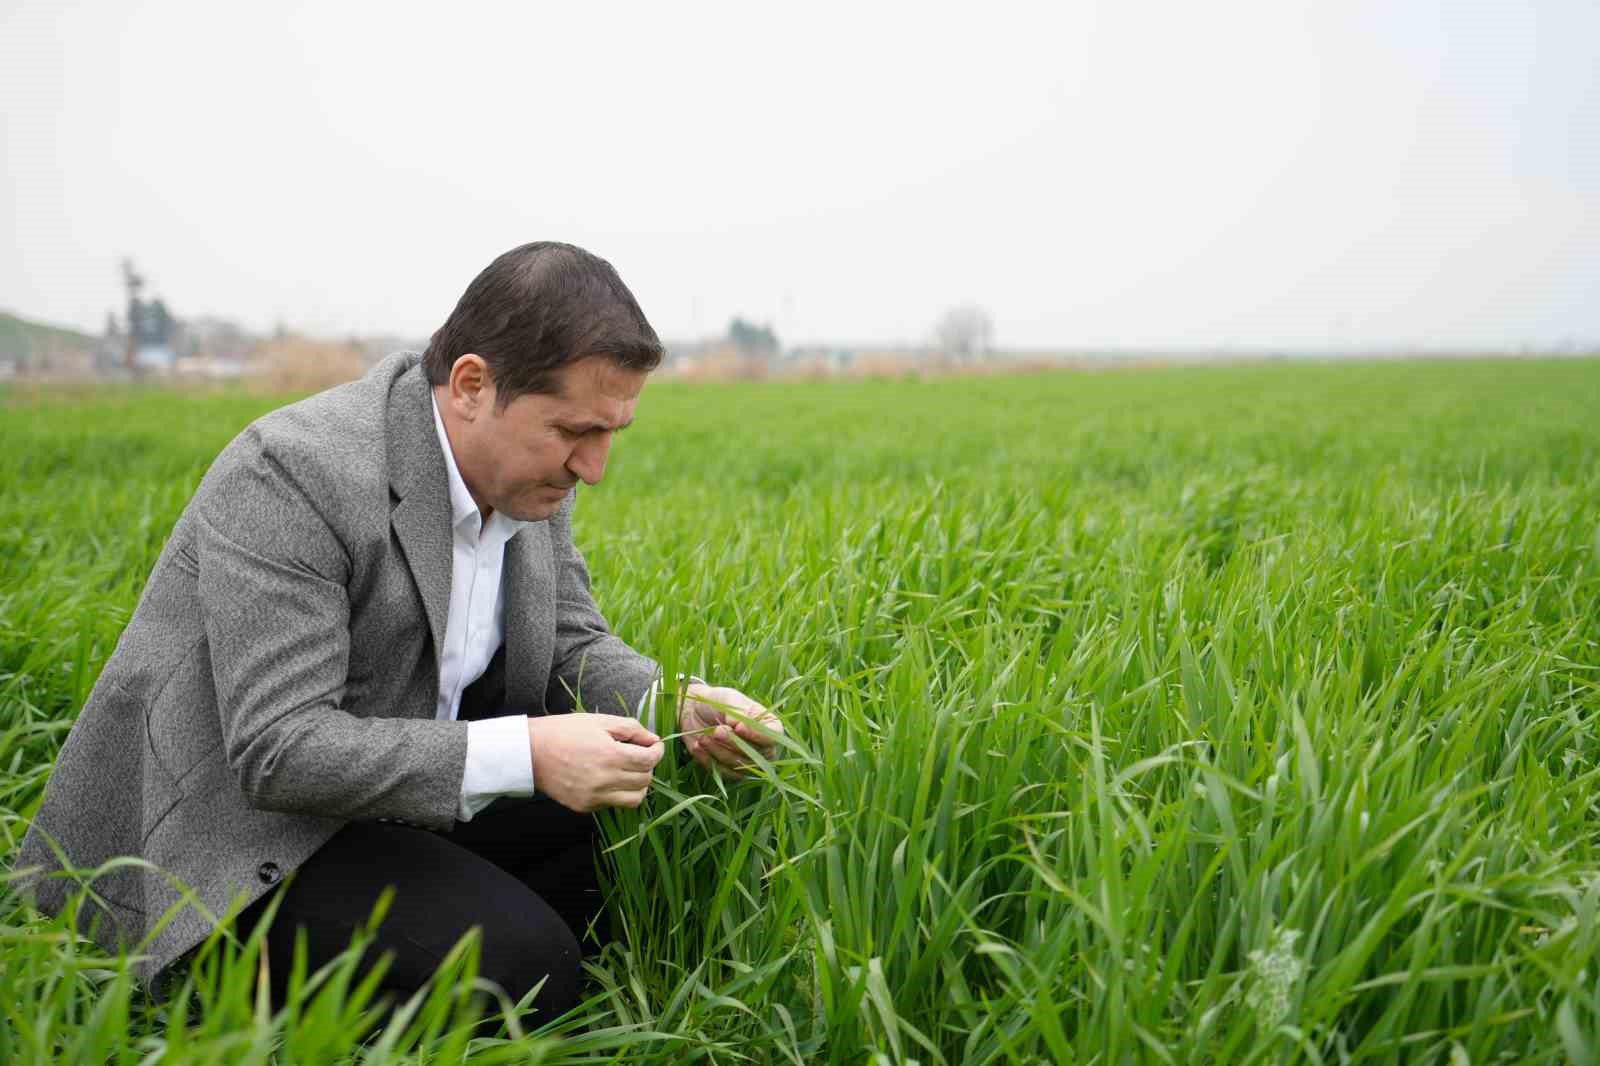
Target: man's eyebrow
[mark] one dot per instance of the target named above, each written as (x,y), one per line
(590,427)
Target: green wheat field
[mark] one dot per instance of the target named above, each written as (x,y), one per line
(1211,715)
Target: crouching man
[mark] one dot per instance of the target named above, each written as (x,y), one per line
(361,656)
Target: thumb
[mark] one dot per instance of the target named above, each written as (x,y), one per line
(628,730)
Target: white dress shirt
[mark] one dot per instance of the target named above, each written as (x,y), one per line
(499,759)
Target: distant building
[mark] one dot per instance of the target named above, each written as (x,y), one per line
(151,328)
(818,360)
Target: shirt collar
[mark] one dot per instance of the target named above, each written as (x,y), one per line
(463,509)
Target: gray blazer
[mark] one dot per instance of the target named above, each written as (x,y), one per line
(279,676)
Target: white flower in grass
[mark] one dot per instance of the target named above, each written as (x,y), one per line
(1273,976)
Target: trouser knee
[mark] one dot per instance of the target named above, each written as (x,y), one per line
(547,957)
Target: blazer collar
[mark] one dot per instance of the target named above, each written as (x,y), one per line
(530,603)
(421,492)
(463,508)
(423,523)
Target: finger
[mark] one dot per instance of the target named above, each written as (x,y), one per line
(621,797)
(712,759)
(724,750)
(734,706)
(628,781)
(700,715)
(760,729)
(703,729)
(628,730)
(636,756)
(725,697)
(766,747)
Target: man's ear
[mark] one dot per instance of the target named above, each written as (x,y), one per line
(470,386)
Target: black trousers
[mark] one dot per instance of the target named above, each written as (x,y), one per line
(522,871)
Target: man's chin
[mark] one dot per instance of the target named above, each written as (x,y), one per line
(539,508)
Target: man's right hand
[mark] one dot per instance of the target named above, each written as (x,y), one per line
(588,761)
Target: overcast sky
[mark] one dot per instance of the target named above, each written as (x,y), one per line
(1094,174)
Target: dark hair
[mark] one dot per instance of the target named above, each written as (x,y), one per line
(536,309)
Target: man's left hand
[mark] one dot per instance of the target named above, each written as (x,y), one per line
(711,716)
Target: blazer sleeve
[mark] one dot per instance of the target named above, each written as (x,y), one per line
(271,582)
(591,665)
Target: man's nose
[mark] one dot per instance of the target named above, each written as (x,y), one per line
(588,459)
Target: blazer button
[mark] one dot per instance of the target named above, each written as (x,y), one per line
(269,873)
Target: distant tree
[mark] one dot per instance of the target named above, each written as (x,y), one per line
(752,339)
(161,321)
(965,333)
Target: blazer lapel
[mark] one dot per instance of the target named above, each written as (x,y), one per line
(530,629)
(421,515)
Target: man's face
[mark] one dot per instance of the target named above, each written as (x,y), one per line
(522,459)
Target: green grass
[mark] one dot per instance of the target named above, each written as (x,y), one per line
(1232,715)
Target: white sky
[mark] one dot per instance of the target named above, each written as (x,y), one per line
(1095,174)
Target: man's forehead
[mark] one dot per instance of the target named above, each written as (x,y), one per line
(598,373)
(595,389)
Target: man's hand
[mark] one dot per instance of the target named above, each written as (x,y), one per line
(712,716)
(588,761)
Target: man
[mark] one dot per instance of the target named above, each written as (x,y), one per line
(368,657)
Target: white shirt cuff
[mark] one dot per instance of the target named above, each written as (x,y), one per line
(646,712)
(647,705)
(499,763)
